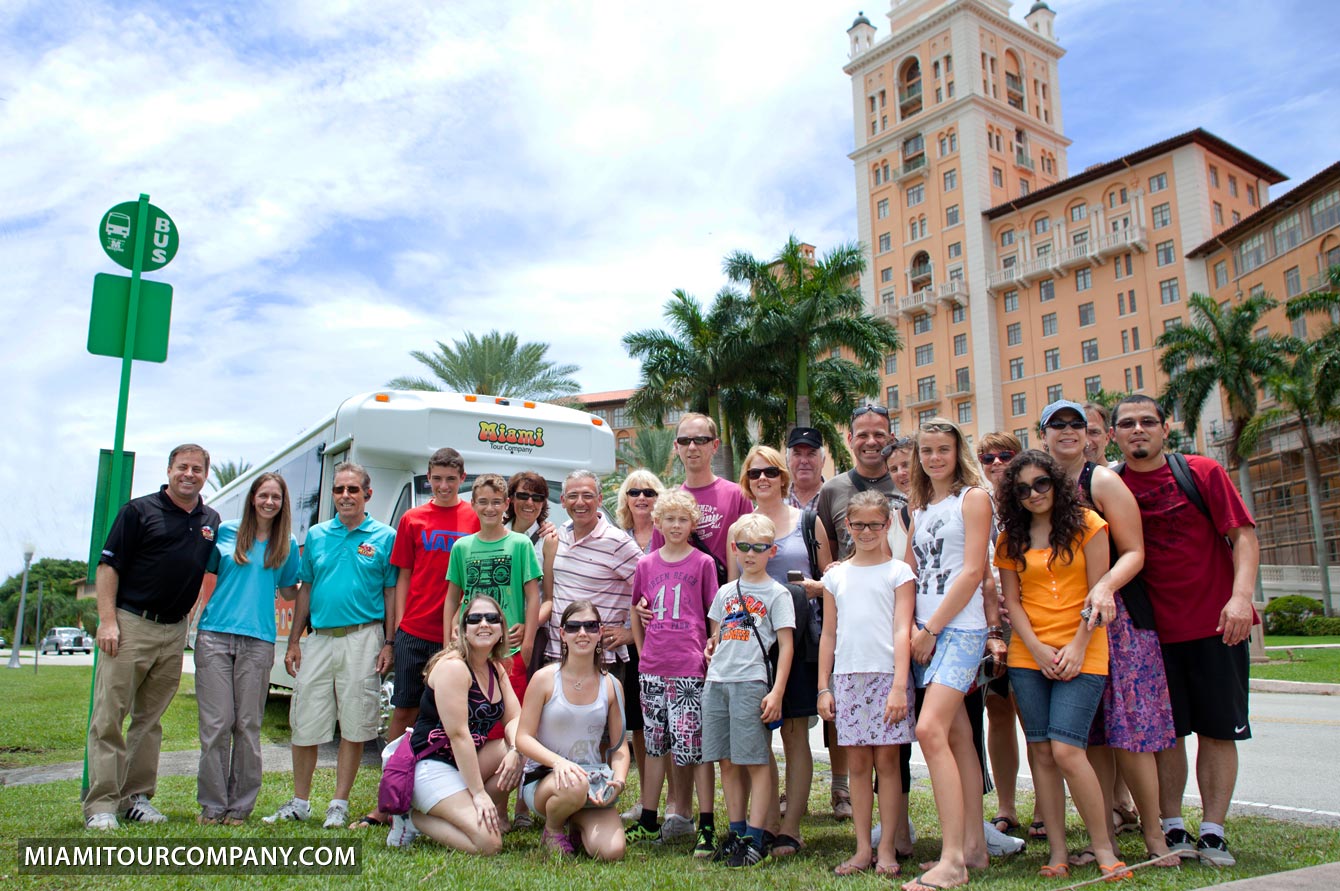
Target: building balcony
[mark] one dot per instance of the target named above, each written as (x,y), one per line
(1117,242)
(1074,255)
(918,302)
(912,167)
(1319,283)
(953,292)
(960,388)
(1022,159)
(1020,273)
(1014,83)
(909,96)
(886,308)
(924,398)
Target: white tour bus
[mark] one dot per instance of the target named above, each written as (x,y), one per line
(393,432)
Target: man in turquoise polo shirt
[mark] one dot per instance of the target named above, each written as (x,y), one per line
(348,598)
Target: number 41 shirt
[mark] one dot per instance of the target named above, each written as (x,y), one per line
(679,595)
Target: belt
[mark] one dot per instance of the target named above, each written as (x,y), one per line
(151,616)
(342,630)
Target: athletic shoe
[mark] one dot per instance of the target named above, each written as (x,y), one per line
(746,853)
(878,832)
(998,844)
(676,827)
(633,813)
(1213,849)
(706,844)
(639,833)
(1181,843)
(337,816)
(141,811)
(102,822)
(403,832)
(558,844)
(293,809)
(841,806)
(726,847)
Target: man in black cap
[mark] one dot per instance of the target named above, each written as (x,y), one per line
(805,460)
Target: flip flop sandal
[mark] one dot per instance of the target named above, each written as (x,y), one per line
(848,869)
(1117,872)
(920,884)
(1055,871)
(1124,820)
(1037,830)
(1083,858)
(1164,861)
(786,846)
(368,821)
(1011,824)
(888,869)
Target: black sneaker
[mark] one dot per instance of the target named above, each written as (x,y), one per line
(1181,843)
(1213,849)
(706,844)
(747,853)
(726,848)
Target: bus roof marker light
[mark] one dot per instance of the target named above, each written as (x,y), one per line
(471,398)
(528,404)
(382,397)
(597,422)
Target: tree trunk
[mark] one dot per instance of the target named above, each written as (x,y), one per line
(802,415)
(1258,644)
(1314,508)
(725,458)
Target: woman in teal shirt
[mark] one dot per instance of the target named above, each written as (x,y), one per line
(234,648)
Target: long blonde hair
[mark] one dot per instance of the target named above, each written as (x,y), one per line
(641,478)
(967,470)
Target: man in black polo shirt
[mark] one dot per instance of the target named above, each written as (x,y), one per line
(148,580)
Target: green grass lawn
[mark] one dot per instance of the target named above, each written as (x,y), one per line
(1319,666)
(1283,640)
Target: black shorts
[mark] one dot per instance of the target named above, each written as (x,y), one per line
(632,691)
(411,655)
(1207,684)
(800,698)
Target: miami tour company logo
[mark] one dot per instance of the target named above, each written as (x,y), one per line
(515,440)
(65,856)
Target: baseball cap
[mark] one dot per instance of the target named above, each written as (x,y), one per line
(805,436)
(1061,405)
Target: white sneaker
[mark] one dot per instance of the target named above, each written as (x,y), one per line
(998,844)
(403,832)
(634,813)
(141,811)
(676,826)
(293,809)
(878,832)
(102,822)
(337,815)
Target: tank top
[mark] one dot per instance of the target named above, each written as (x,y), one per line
(573,731)
(481,716)
(938,543)
(791,554)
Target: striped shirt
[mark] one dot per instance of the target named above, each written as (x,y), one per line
(599,568)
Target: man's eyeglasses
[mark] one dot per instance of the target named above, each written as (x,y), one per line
(352,490)
(1149,423)
(649,493)
(770,472)
(757,547)
(1042,485)
(481,618)
(989,458)
(694,440)
(1061,424)
(862,527)
(869,407)
(590,626)
(528,496)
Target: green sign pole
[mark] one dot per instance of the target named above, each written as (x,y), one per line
(127,357)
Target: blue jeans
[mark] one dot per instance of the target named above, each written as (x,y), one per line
(1059,710)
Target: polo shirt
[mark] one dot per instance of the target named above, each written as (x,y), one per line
(599,567)
(243,601)
(348,571)
(159,552)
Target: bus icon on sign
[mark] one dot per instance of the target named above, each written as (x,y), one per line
(118,224)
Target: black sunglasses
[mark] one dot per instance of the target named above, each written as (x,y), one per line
(1042,485)
(694,440)
(1059,424)
(757,547)
(649,493)
(770,472)
(590,626)
(352,490)
(481,618)
(992,457)
(528,496)
(869,407)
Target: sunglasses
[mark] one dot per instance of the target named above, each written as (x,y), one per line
(694,440)
(1042,485)
(639,493)
(757,547)
(483,618)
(862,527)
(993,457)
(352,490)
(938,428)
(869,407)
(1149,423)
(1058,424)
(528,496)
(590,626)
(770,472)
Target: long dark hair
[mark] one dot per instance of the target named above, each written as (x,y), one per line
(581,606)
(1016,520)
(281,527)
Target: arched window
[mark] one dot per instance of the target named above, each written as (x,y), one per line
(909,88)
(1014,80)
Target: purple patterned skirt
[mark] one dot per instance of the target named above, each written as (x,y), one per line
(1135,714)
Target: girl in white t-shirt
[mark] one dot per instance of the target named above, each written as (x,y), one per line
(865,675)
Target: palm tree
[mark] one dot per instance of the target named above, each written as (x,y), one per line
(1326,349)
(496,364)
(227,471)
(701,363)
(654,449)
(805,308)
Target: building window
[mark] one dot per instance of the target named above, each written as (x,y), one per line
(1135,338)
(882,208)
(962,380)
(1016,369)
(921,324)
(925,388)
(1139,377)
(1042,226)
(1289,232)
(891,363)
(1051,361)
(1218,214)
(916,228)
(1125,341)
(1251,253)
(951,215)
(1092,385)
(1299,327)
(1049,325)
(960,344)
(1237,218)
(1079,212)
(1164,252)
(1054,393)
(1130,300)
(1292,282)
(1014,334)
(1116,197)
(925,354)
(1232,185)
(1220,274)
(965,412)
(916,194)
(885,242)
(1046,290)
(1088,350)
(1162,215)
(1174,322)
(1122,266)
(1087,316)
(959,312)
(1325,211)
(1007,238)
(1214,176)
(1018,406)
(1023,188)
(924,417)
(1158,182)
(951,180)
(886,274)
(1251,195)
(1169,292)
(891,397)
(1083,279)
(896,426)
(1011,301)
(997,177)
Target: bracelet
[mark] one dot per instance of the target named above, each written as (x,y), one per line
(927,629)
(995,629)
(388,643)
(827,690)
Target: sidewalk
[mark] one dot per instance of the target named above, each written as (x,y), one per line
(1314,878)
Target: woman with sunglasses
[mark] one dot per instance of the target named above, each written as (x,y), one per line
(1051,552)
(1135,716)
(459,788)
(766,480)
(571,706)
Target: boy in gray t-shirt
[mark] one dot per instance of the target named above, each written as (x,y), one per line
(743,693)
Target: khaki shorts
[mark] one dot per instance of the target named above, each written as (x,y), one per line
(338,680)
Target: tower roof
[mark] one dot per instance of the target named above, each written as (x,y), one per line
(862,20)
(1039,5)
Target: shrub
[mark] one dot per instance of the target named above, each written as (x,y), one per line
(1321,626)
(1286,615)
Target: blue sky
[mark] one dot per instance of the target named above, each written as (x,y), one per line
(353,180)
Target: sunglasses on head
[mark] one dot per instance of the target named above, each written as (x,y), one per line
(1061,424)
(648,493)
(527,496)
(590,626)
(867,408)
(694,440)
(770,472)
(1004,457)
(938,428)
(483,618)
(757,547)
(352,490)
(1042,485)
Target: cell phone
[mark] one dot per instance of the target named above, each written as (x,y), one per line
(795,575)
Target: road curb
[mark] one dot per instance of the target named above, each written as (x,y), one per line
(1266,685)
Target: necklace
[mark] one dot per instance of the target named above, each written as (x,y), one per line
(578,684)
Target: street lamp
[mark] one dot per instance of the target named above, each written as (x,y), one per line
(23,597)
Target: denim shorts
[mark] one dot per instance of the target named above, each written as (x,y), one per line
(1059,710)
(956,661)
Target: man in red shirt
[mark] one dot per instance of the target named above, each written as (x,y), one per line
(1200,571)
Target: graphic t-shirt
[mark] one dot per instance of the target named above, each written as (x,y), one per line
(749,614)
(423,545)
(499,569)
(679,594)
(243,601)
(722,503)
(938,542)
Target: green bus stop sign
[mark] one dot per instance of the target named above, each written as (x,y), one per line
(117,234)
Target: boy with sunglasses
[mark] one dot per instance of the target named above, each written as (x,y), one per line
(721,500)
(742,699)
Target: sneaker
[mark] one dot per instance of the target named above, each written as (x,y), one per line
(102,822)
(293,809)
(633,813)
(141,811)
(676,827)
(337,816)
(403,832)
(746,853)
(558,843)
(1181,843)
(1213,849)
(725,849)
(639,833)
(706,844)
(523,821)
(998,844)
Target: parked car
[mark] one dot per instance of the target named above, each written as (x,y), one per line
(67,640)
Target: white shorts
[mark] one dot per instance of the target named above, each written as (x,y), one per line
(434,780)
(338,680)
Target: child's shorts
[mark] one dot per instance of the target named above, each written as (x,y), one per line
(858,701)
(733,722)
(672,718)
(956,660)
